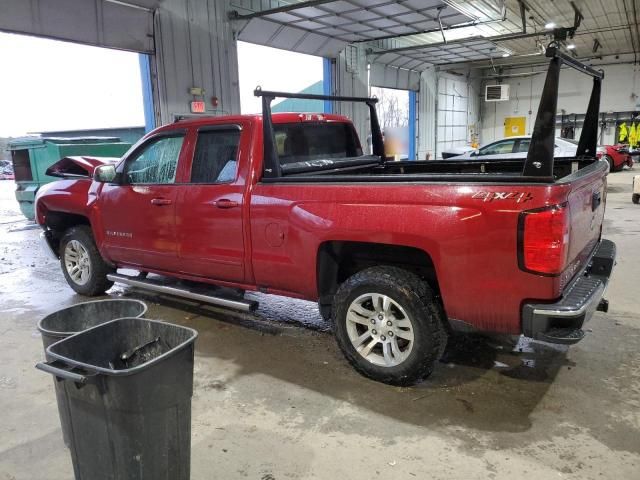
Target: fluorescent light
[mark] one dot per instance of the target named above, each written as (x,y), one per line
(550,26)
(571,46)
(505,55)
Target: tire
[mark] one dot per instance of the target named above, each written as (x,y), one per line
(635,198)
(612,166)
(90,279)
(411,313)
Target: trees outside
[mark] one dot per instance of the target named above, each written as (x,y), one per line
(392,107)
(393,115)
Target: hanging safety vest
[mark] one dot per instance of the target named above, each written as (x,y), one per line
(633,135)
(623,132)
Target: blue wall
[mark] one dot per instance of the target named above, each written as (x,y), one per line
(412,124)
(326,84)
(147,92)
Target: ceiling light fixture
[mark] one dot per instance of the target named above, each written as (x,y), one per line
(505,55)
(550,26)
(571,46)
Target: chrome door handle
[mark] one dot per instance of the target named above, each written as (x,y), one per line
(226,203)
(161,201)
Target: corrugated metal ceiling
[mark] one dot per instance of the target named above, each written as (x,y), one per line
(324,28)
(406,34)
(614,23)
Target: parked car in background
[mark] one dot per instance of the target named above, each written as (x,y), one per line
(516,147)
(456,151)
(6,170)
(617,155)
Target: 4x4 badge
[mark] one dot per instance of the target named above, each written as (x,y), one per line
(519,197)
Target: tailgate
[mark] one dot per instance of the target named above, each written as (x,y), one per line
(586,203)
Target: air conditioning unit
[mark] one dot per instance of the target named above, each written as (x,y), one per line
(496,93)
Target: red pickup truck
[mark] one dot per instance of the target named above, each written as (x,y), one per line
(397,254)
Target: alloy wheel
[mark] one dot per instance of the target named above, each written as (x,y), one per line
(379,329)
(77,262)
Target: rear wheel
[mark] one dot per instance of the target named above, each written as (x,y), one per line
(612,167)
(388,325)
(83,267)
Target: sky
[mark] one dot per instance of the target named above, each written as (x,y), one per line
(52,85)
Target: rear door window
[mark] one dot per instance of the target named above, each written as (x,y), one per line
(215,159)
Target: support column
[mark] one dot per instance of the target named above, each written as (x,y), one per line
(412,124)
(426,114)
(147,92)
(327,83)
(351,79)
(195,47)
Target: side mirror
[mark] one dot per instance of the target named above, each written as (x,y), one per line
(475,153)
(104,173)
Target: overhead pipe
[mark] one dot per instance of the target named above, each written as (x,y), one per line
(235,15)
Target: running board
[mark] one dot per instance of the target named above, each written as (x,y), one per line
(242,305)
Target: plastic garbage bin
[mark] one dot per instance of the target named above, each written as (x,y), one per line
(127,387)
(79,317)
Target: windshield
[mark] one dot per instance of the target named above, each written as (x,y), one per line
(299,143)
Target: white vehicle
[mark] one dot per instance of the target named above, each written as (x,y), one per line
(456,151)
(516,147)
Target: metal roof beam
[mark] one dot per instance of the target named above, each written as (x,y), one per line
(235,15)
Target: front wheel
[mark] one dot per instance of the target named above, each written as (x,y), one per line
(83,267)
(389,325)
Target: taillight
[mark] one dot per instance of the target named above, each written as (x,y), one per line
(543,237)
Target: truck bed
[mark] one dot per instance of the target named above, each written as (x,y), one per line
(370,169)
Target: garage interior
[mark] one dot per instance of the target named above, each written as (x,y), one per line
(273,396)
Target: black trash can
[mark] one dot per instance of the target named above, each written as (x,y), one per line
(79,317)
(127,386)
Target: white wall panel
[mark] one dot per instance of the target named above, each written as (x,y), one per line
(195,48)
(620,83)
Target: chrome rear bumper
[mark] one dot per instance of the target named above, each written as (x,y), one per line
(562,321)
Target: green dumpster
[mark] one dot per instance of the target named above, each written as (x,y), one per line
(31,156)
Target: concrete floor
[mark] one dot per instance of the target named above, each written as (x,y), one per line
(274,399)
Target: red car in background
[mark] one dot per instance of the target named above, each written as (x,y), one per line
(617,156)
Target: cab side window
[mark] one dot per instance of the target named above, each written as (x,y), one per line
(156,163)
(215,158)
(498,148)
